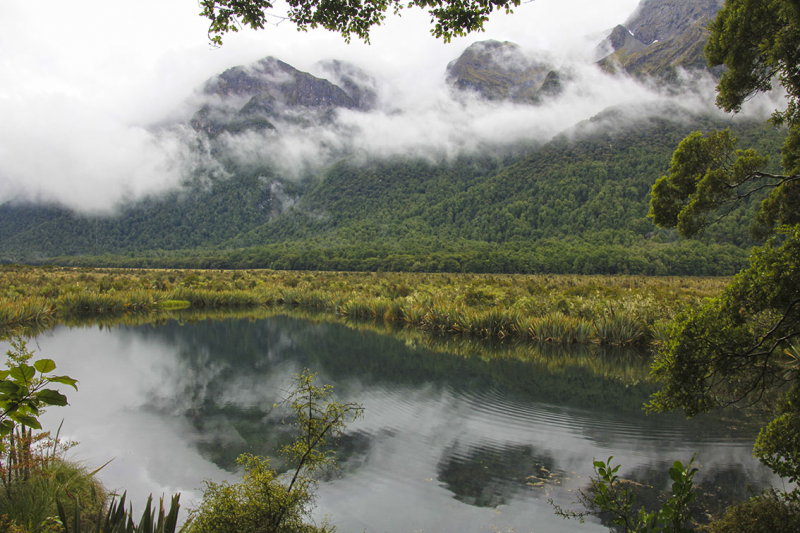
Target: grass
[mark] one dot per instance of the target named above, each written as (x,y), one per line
(613,310)
(31,504)
(35,477)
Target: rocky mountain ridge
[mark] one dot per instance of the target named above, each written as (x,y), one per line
(497,70)
(659,38)
(274,91)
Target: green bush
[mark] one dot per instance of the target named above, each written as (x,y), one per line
(260,503)
(266,502)
(767,513)
(31,504)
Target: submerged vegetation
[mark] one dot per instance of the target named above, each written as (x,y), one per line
(560,309)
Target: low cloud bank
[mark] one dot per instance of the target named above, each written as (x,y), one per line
(90,127)
(71,154)
(74,154)
(425,119)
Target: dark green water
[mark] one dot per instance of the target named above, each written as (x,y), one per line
(448,443)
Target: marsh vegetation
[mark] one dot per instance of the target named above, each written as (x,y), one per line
(559,309)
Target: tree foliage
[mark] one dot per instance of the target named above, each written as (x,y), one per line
(742,348)
(738,347)
(450,18)
(757,41)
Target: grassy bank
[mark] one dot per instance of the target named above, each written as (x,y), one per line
(560,309)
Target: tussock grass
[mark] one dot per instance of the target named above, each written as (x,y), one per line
(31,504)
(25,311)
(612,310)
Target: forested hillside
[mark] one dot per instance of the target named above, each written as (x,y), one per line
(282,177)
(577,204)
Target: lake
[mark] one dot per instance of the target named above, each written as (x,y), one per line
(448,442)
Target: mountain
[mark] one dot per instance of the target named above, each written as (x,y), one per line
(501,71)
(660,37)
(270,91)
(575,203)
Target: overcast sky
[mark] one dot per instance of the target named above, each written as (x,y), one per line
(81,80)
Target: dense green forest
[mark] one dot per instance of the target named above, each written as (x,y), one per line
(577,204)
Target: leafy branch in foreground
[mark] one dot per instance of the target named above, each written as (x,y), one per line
(740,347)
(23,393)
(451,18)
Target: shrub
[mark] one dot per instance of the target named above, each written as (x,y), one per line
(263,502)
(767,513)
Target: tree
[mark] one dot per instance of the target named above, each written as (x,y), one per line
(451,18)
(265,501)
(757,41)
(742,348)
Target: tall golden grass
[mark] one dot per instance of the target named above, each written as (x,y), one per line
(613,310)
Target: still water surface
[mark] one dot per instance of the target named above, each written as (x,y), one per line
(447,443)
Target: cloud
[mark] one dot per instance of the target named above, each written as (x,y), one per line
(71,153)
(95,96)
(425,119)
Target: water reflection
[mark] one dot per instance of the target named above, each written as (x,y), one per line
(489,476)
(449,442)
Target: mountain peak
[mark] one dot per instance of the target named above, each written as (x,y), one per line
(656,20)
(660,37)
(274,91)
(358,85)
(273,77)
(499,71)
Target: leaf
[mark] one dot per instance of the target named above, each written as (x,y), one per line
(45,365)
(3,374)
(65,380)
(27,420)
(22,373)
(51,397)
(22,392)
(8,387)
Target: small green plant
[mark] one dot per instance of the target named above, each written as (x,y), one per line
(23,393)
(608,495)
(119,520)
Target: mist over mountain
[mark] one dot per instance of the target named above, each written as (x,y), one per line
(515,160)
(273,91)
(502,71)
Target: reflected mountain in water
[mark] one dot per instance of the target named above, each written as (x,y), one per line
(454,430)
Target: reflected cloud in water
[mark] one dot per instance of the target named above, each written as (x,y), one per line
(448,442)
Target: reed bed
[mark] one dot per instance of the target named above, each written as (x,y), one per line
(94,303)
(217,299)
(25,311)
(610,310)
